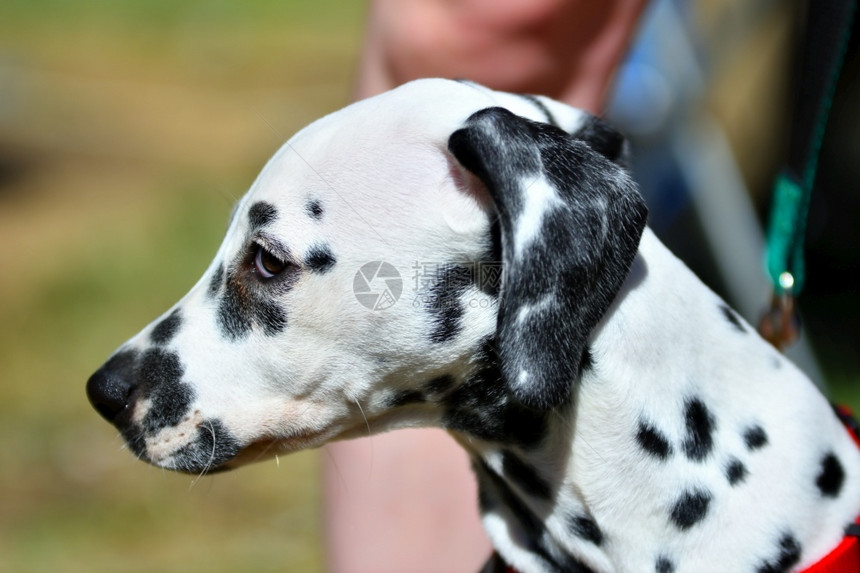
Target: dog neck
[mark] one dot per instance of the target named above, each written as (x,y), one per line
(561,483)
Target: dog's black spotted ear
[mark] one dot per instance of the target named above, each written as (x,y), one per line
(570,223)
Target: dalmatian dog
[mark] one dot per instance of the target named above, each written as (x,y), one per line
(447,255)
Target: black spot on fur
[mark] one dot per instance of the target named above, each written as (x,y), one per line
(788,555)
(213,446)
(443,302)
(170,403)
(586,528)
(736,471)
(586,363)
(216,281)
(482,407)
(535,101)
(320,259)
(664,565)
(135,441)
(733,318)
(653,441)
(242,306)
(314,209)
(700,428)
(261,214)
(690,509)
(160,374)
(496,495)
(271,317)
(165,330)
(404,397)
(755,437)
(159,367)
(524,476)
(831,477)
(234,314)
(439,385)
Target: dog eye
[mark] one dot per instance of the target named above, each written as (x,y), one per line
(266,264)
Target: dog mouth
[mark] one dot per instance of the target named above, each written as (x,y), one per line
(201,446)
(213,450)
(194,443)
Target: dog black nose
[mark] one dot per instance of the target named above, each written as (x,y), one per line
(110,387)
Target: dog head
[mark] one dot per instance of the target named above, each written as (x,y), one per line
(382,259)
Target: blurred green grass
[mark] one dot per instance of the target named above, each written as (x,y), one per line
(162,12)
(127,130)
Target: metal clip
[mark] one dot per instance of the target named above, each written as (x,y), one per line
(780,324)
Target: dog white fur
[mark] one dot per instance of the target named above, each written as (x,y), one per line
(669,438)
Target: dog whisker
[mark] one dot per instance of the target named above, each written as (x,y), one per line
(366,422)
(369,435)
(208,465)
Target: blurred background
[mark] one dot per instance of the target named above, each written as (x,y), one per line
(127,131)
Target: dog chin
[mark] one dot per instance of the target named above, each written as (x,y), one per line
(203,455)
(267,448)
(186,448)
(190,468)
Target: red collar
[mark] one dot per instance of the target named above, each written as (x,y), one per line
(846,557)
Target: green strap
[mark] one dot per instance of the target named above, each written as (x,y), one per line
(792,191)
(784,255)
